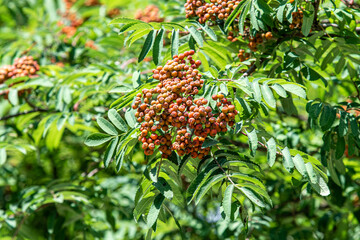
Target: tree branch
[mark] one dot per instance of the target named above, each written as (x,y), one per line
(23,113)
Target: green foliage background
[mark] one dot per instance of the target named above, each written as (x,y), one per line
(53,186)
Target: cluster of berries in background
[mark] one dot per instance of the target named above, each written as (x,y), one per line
(211,11)
(205,11)
(297,19)
(71,22)
(150,14)
(254,42)
(24,66)
(172,118)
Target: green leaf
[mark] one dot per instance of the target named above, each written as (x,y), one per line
(130,118)
(224,89)
(106,126)
(253,17)
(287,160)
(174,42)
(354,126)
(311,173)
(215,57)
(327,118)
(214,72)
(233,15)
(268,95)
(340,65)
(117,120)
(332,171)
(308,19)
(295,89)
(154,210)
(197,36)
(271,151)
(279,90)
(211,181)
(300,165)
(149,41)
(120,158)
(136,35)
(209,32)
(340,147)
(61,121)
(2,156)
(209,143)
(197,183)
(124,20)
(280,11)
(13,96)
(135,27)
(250,194)
(351,145)
(245,106)
(97,139)
(253,141)
(158,46)
(321,187)
(257,92)
(243,13)
(163,186)
(110,151)
(143,205)
(226,203)
(310,74)
(315,110)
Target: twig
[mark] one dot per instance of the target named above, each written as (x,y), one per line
(316,5)
(357,89)
(225,80)
(127,62)
(227,176)
(33,105)
(28,49)
(25,217)
(23,113)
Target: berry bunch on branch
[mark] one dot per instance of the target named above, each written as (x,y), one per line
(216,9)
(71,22)
(297,19)
(172,118)
(150,14)
(24,66)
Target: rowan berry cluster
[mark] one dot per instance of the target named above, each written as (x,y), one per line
(90,3)
(150,14)
(113,12)
(243,56)
(253,43)
(297,19)
(258,39)
(71,22)
(69,3)
(25,66)
(216,9)
(90,44)
(172,118)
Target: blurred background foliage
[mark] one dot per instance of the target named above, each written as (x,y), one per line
(54,187)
